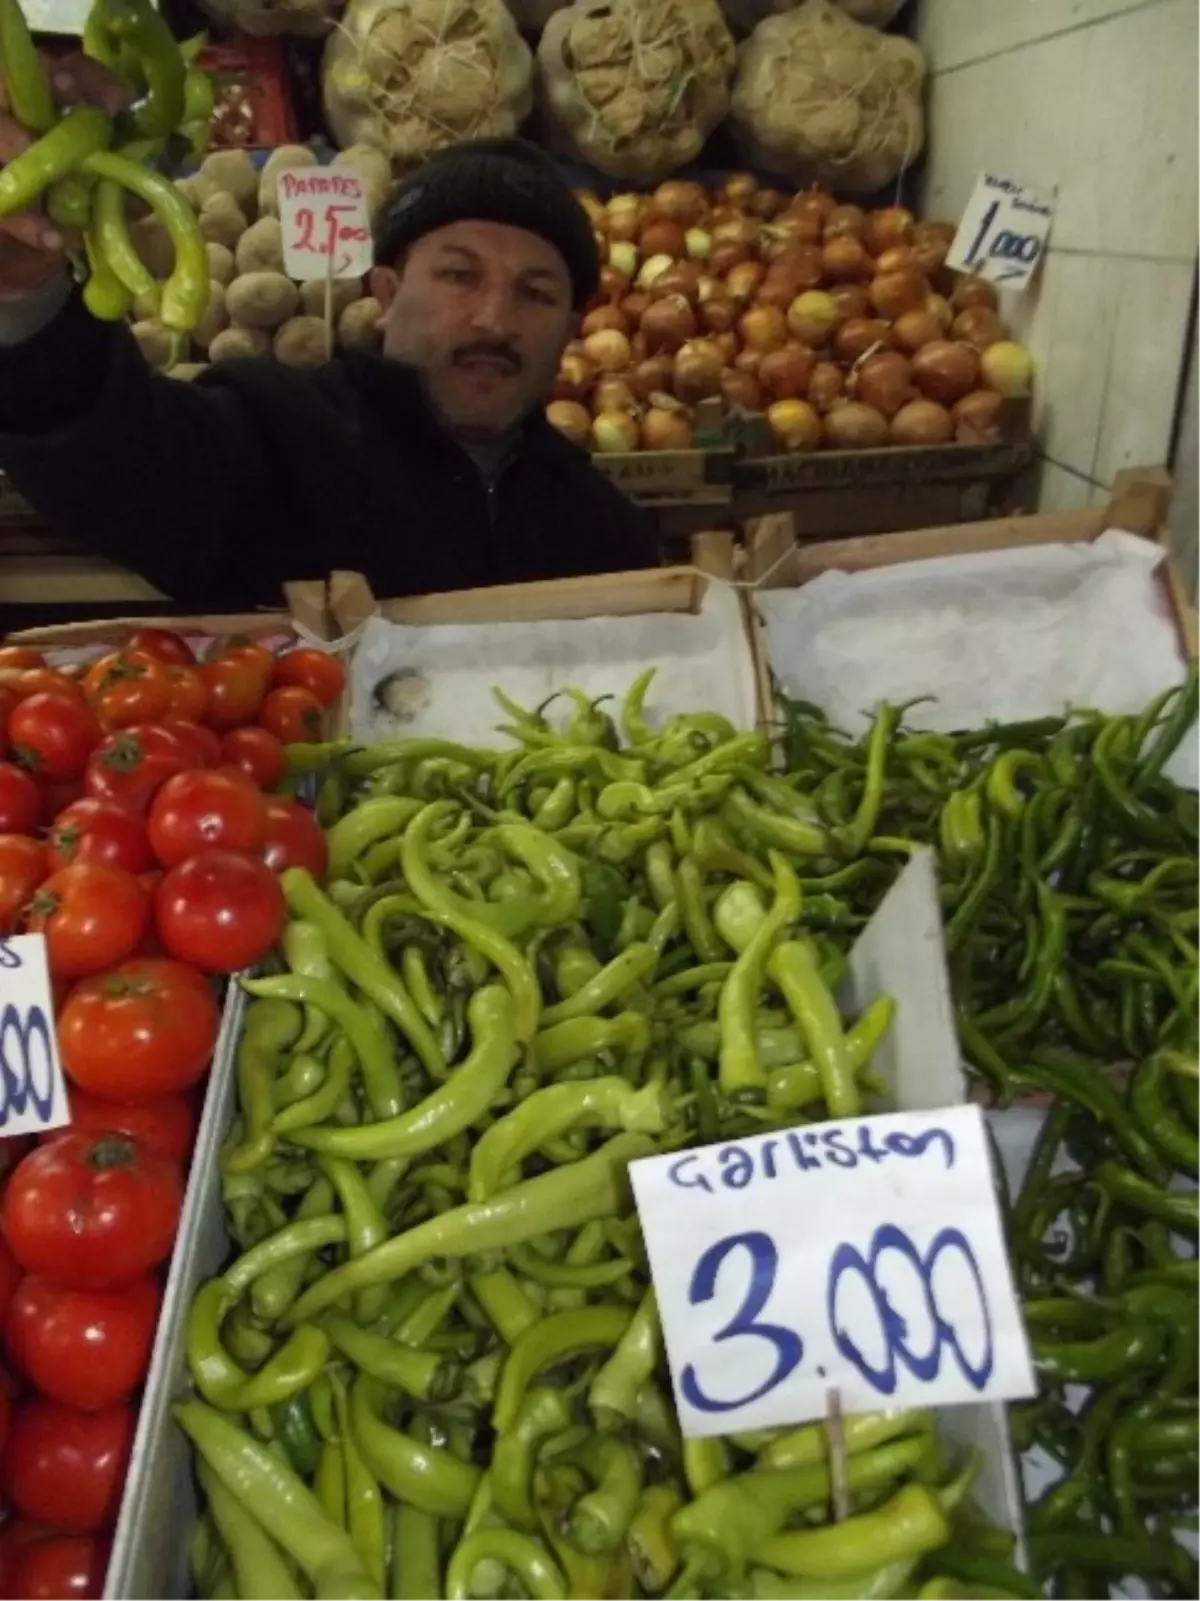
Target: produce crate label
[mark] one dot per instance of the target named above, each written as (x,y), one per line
(33,1096)
(325,223)
(864,1258)
(858,468)
(1002,235)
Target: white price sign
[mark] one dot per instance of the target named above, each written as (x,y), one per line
(1003,233)
(325,223)
(33,1096)
(864,1257)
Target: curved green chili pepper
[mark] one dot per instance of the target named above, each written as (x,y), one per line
(553,1340)
(543,1414)
(521,1554)
(425,1476)
(185,293)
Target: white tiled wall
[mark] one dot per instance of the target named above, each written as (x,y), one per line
(1093,102)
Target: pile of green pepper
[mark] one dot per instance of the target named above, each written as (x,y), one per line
(434,1366)
(85,164)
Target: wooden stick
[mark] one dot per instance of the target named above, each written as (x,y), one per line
(835,1439)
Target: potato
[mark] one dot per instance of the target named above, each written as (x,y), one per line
(154,341)
(260,249)
(375,170)
(215,317)
(197,189)
(358,325)
(233,343)
(282,156)
(261,300)
(302,342)
(221,266)
(345,292)
(187,370)
(222,219)
(233,171)
(153,244)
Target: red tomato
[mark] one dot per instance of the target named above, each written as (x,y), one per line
(15,1534)
(189,693)
(66,1467)
(201,744)
(57,797)
(294,838)
(131,765)
(5,1422)
(93,1211)
(22,869)
(127,687)
(46,681)
(92,916)
(146,1029)
(235,691)
(20,800)
(219,910)
(293,715)
(10,1276)
(21,656)
(164,1124)
(53,735)
(91,830)
(314,670)
(60,1567)
(85,1348)
(240,649)
(197,810)
(163,644)
(8,701)
(258,754)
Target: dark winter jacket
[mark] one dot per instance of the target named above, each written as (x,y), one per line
(219,490)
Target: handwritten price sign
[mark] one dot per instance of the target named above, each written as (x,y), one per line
(32,1094)
(1003,233)
(325,223)
(865,1257)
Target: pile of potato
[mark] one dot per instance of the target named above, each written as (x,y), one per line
(254,308)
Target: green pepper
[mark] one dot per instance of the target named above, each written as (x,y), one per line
(543,1414)
(906,1525)
(26,86)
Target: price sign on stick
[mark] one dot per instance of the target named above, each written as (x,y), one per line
(1003,232)
(32,1094)
(325,224)
(863,1258)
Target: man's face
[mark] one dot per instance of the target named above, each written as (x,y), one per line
(484,310)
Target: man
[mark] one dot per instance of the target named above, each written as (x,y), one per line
(429,468)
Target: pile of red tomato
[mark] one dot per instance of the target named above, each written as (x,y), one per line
(138,836)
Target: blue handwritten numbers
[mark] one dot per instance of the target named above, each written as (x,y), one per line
(31,1097)
(789,1348)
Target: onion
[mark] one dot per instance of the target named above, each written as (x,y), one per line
(945,370)
(883,381)
(662,237)
(743,280)
(723,258)
(778,288)
(651,375)
(853,426)
(813,316)
(576,375)
(931,243)
(814,203)
(972,291)
(604,317)
(652,269)
(748,360)
(804,264)
(718,314)
(623,257)
(892,293)
(613,283)
(787,233)
(738,189)
(707,287)
(727,344)
(633,306)
(794,424)
(614,393)
(1007,368)
(637,347)
(855,337)
(845,222)
(763,328)
(979,326)
(897,258)
(826,386)
(680,278)
(571,419)
(594,206)
(665,430)
(608,349)
(922,422)
(623,216)
(698,242)
(614,431)
(680,199)
(852,301)
(941,308)
(977,417)
(892,225)
(741,389)
(698,369)
(784,374)
(767,203)
(736,230)
(912,329)
(843,260)
(667,323)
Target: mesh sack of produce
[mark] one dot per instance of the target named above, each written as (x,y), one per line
(412,76)
(636,86)
(306,19)
(825,100)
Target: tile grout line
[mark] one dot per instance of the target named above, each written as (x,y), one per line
(1026,44)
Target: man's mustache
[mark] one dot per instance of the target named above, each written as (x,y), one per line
(489,350)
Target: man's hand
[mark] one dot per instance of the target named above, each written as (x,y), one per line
(31,246)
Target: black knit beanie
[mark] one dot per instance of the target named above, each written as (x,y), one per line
(493,180)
